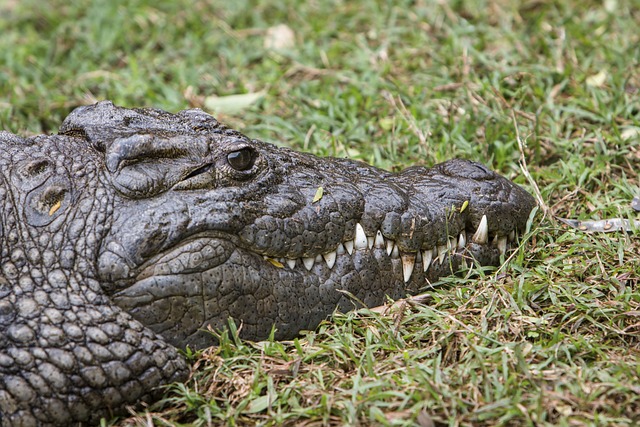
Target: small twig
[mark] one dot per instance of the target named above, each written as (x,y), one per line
(401,304)
(601,265)
(608,225)
(410,120)
(525,169)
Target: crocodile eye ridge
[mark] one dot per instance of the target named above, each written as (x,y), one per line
(241,160)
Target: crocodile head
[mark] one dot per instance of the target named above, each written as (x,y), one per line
(205,224)
(135,229)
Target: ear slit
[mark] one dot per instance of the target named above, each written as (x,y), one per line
(202,169)
(37,167)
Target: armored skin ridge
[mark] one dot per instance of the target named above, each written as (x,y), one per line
(132,231)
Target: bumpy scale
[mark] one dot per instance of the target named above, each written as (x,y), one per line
(133,231)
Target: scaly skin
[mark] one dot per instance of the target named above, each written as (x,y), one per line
(132,231)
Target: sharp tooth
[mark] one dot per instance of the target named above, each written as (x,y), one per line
(512,236)
(426,259)
(379,242)
(291,263)
(349,246)
(442,251)
(481,235)
(408,261)
(494,242)
(462,240)
(370,242)
(308,263)
(390,245)
(452,244)
(360,241)
(318,258)
(330,259)
(419,256)
(395,253)
(341,250)
(502,245)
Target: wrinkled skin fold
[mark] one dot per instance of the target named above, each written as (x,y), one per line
(131,232)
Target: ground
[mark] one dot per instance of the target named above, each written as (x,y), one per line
(548,89)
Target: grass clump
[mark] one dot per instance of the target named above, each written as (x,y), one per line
(551,338)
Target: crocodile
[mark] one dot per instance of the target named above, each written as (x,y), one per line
(133,233)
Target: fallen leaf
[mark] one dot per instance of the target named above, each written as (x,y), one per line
(564,410)
(318,196)
(597,80)
(232,104)
(425,420)
(630,132)
(386,123)
(611,6)
(279,37)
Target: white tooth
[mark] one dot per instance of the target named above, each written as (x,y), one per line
(379,242)
(408,261)
(395,253)
(330,259)
(291,263)
(360,241)
(349,246)
(419,256)
(341,250)
(390,245)
(502,245)
(512,236)
(481,235)
(452,244)
(442,251)
(308,263)
(426,259)
(494,242)
(318,259)
(370,242)
(462,240)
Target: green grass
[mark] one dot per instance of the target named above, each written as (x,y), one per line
(552,338)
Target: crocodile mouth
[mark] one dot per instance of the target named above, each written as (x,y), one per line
(210,277)
(461,246)
(199,253)
(205,251)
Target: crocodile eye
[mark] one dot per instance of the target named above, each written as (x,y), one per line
(241,160)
